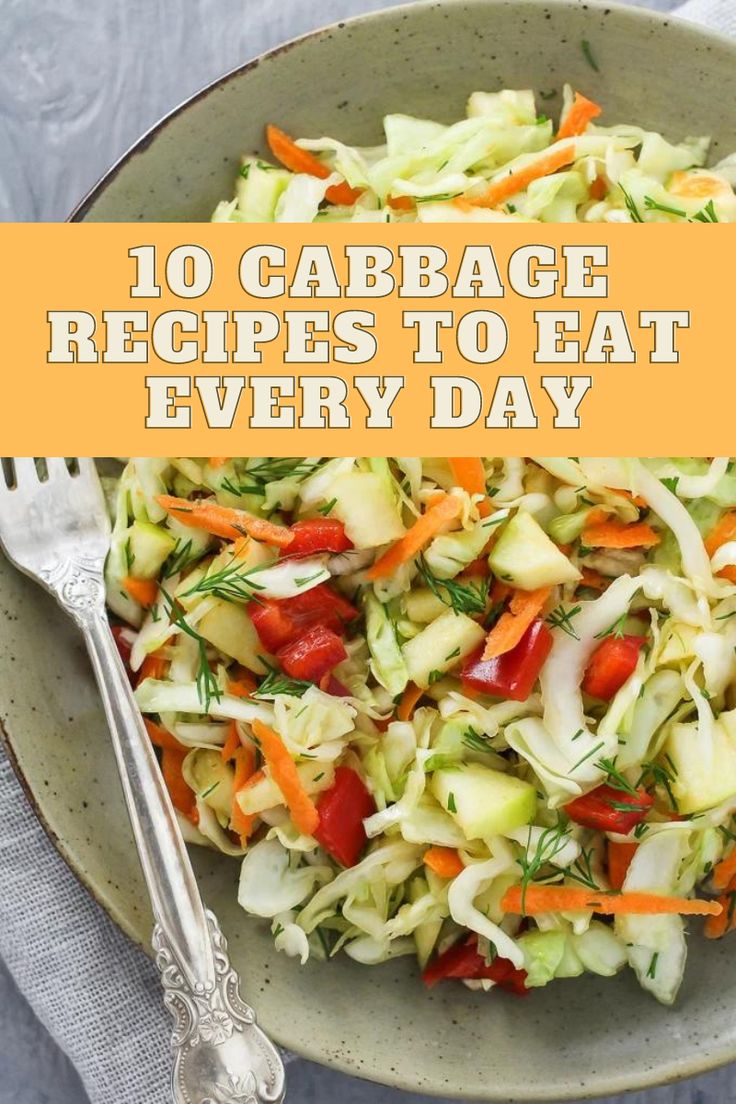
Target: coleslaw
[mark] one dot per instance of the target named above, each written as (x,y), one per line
(481,711)
(506,161)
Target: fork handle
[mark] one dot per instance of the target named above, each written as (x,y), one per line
(177,905)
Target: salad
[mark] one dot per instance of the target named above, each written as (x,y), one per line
(480,711)
(507,161)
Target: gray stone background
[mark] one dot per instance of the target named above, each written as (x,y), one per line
(79,81)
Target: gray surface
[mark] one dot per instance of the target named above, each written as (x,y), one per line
(78,83)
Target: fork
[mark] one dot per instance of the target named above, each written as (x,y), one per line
(54,526)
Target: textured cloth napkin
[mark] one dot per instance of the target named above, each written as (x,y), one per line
(96,994)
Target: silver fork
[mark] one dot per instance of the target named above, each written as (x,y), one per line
(54,526)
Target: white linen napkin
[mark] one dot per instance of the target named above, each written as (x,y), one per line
(96,994)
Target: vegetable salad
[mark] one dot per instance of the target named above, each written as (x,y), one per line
(481,712)
(506,161)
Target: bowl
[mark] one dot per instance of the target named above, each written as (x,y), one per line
(578,1038)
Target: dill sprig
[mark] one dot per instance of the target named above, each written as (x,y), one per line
(631,206)
(207,684)
(180,558)
(614,777)
(708,213)
(582,870)
(461,597)
(588,55)
(475,740)
(616,629)
(276,682)
(233,582)
(561,618)
(550,843)
(663,775)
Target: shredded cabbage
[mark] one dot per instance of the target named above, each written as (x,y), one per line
(364,823)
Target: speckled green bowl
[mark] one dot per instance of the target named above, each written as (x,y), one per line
(577,1038)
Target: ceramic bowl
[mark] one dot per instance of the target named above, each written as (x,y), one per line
(583,1037)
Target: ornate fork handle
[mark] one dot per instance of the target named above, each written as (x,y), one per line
(220,1055)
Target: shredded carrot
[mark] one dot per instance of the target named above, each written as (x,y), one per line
(143,591)
(154,666)
(245,763)
(603,532)
(619,861)
(408,702)
(724,872)
(476,568)
(434,519)
(223,521)
(469,474)
(161,737)
(500,591)
(299,160)
(724,531)
(716,926)
(218,461)
(401,203)
(232,743)
(182,797)
(524,606)
(624,493)
(582,111)
(507,186)
(599,187)
(550,898)
(284,773)
(243,685)
(593,579)
(444,861)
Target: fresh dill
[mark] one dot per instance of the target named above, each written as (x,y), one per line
(327,508)
(466,598)
(670,482)
(277,683)
(708,213)
(451,806)
(652,970)
(588,55)
(662,775)
(614,778)
(129,556)
(587,756)
(561,618)
(582,870)
(550,843)
(616,629)
(653,205)
(207,685)
(180,557)
(232,582)
(474,740)
(631,207)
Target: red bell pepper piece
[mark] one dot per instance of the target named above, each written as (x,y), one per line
(513,674)
(317,535)
(319,605)
(611,664)
(279,621)
(342,810)
(273,623)
(312,655)
(124,649)
(330,685)
(463,961)
(608,809)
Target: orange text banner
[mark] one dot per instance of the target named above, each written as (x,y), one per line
(490,338)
